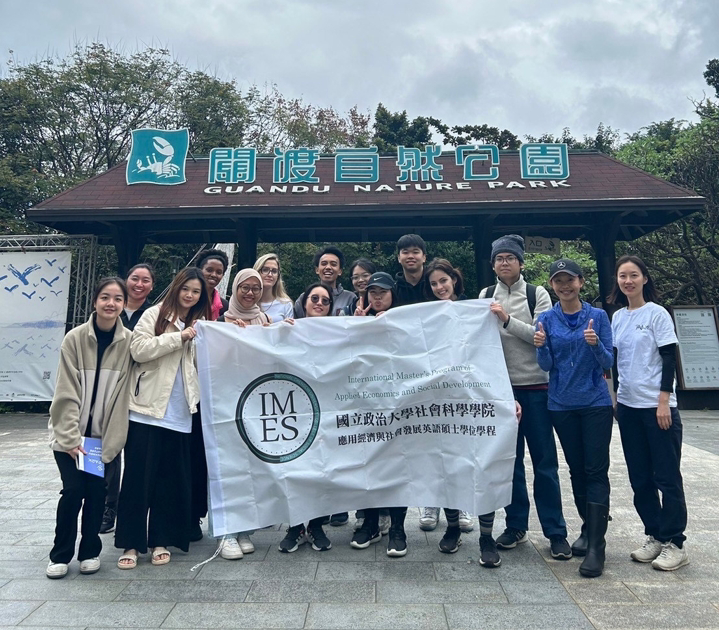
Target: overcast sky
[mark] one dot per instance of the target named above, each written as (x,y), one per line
(531,67)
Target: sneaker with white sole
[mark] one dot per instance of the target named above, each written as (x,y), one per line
(364,537)
(56,570)
(397,542)
(649,551)
(671,558)
(465,521)
(295,537)
(488,554)
(429,519)
(385,522)
(229,548)
(316,535)
(511,537)
(89,566)
(451,540)
(243,540)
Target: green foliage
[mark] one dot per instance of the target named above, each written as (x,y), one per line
(482,134)
(393,130)
(606,139)
(711,75)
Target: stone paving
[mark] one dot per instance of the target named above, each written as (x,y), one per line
(347,588)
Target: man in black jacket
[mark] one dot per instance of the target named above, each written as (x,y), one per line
(411,254)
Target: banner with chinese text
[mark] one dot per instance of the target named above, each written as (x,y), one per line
(339,413)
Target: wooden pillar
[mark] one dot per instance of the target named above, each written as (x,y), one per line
(483,236)
(603,239)
(128,245)
(246,244)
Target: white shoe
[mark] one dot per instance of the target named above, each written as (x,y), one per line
(229,548)
(91,565)
(671,557)
(465,521)
(648,551)
(385,520)
(243,539)
(429,519)
(56,570)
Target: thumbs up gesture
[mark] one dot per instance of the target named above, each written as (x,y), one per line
(540,337)
(590,335)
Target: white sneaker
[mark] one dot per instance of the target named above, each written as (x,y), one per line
(243,539)
(429,518)
(229,548)
(91,565)
(465,521)
(385,520)
(648,551)
(56,570)
(671,558)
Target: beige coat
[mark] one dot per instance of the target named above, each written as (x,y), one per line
(157,360)
(70,408)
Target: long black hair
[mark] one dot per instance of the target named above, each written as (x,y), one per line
(170,305)
(649,291)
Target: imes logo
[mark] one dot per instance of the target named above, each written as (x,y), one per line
(278,416)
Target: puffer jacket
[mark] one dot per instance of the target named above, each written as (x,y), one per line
(157,360)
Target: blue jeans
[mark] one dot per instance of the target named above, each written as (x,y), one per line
(536,429)
(653,458)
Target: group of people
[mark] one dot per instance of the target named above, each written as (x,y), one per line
(128,377)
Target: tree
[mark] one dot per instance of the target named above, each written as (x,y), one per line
(393,130)
(606,139)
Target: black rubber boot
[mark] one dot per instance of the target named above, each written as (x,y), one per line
(579,546)
(597,518)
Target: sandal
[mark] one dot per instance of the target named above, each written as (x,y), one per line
(128,555)
(157,554)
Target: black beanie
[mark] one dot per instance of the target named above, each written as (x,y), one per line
(511,243)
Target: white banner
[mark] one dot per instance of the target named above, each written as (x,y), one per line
(34,289)
(339,413)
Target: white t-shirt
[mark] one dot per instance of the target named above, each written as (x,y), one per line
(177,415)
(637,336)
(277,310)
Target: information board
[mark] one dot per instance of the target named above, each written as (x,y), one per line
(698,336)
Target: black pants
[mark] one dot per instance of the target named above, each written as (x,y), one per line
(585,435)
(397,515)
(156,480)
(653,457)
(80,490)
(112,480)
(198,464)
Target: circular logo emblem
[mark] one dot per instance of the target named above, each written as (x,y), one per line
(561,264)
(278,416)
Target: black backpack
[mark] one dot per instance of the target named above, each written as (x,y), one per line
(531,296)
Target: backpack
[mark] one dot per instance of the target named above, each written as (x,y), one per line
(531,296)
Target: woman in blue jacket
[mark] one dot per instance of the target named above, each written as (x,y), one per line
(574,344)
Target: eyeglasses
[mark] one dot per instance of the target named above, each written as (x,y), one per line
(269,271)
(316,299)
(362,276)
(505,259)
(248,289)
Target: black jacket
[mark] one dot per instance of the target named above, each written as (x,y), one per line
(408,294)
(130,322)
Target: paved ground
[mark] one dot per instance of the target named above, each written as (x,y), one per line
(345,588)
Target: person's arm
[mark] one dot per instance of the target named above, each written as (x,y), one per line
(67,400)
(146,345)
(526,331)
(603,348)
(545,359)
(117,413)
(668,354)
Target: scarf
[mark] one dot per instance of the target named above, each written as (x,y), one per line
(253,315)
(216,304)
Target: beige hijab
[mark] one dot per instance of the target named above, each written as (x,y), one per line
(253,315)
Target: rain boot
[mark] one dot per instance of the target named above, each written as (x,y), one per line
(597,518)
(579,546)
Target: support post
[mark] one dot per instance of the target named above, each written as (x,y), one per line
(603,239)
(246,244)
(482,235)
(128,245)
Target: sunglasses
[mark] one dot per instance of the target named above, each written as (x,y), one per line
(316,299)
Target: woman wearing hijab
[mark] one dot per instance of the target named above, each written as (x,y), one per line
(244,310)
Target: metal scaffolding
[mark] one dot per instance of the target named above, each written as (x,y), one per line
(84,260)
